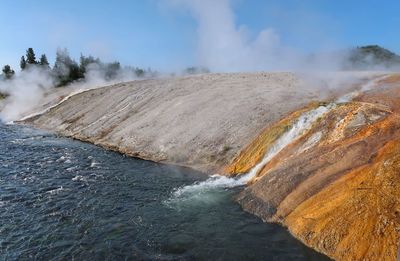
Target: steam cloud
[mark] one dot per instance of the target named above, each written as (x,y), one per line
(224,46)
(27,90)
(24,91)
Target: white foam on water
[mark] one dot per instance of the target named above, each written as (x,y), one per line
(80,178)
(72,168)
(94,164)
(55,191)
(215,182)
(67,158)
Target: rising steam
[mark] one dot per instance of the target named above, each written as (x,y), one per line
(225,46)
(27,90)
(222,46)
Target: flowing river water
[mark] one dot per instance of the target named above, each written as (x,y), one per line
(62,199)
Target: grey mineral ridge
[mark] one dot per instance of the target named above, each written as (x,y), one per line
(199,121)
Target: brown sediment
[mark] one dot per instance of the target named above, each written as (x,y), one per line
(358,216)
(339,193)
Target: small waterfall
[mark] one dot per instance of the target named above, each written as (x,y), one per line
(303,123)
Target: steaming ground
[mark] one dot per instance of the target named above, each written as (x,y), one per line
(197,121)
(33,91)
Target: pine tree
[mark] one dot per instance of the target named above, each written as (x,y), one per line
(85,61)
(22,63)
(44,62)
(61,66)
(30,56)
(8,72)
(111,70)
(65,68)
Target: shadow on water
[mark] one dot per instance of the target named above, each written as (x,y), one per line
(64,199)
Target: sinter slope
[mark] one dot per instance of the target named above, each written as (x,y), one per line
(198,121)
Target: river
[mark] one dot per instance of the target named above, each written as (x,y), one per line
(62,199)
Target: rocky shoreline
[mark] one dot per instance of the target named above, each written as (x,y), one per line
(335,186)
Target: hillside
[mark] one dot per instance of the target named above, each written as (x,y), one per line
(198,121)
(372,56)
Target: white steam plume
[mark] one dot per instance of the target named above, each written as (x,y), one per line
(33,90)
(25,91)
(225,46)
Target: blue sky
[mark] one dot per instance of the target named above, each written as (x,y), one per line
(163,34)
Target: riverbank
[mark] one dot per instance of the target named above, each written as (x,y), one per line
(62,199)
(200,121)
(291,143)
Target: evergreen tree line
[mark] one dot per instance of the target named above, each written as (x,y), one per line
(25,63)
(66,70)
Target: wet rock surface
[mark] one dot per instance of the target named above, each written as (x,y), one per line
(337,187)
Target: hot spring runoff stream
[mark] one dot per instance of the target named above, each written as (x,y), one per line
(62,199)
